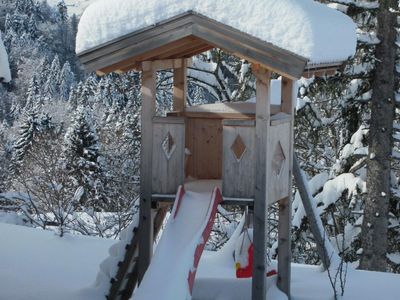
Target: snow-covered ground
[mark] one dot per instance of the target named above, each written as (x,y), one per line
(37,264)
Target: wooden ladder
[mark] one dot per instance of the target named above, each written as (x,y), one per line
(123,284)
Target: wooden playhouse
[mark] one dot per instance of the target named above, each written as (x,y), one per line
(247,146)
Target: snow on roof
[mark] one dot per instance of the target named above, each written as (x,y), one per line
(5,73)
(304,27)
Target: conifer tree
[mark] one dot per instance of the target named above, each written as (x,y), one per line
(33,95)
(66,81)
(51,87)
(82,159)
(33,125)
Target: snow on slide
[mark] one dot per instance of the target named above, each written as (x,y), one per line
(171,273)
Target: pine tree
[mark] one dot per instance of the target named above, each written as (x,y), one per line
(66,81)
(51,87)
(33,95)
(32,127)
(83,160)
(26,7)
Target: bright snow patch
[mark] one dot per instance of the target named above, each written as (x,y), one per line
(37,264)
(5,73)
(304,27)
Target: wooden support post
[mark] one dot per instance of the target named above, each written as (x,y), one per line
(146,231)
(285,205)
(259,284)
(180,86)
(315,222)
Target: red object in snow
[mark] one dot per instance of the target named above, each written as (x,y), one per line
(247,271)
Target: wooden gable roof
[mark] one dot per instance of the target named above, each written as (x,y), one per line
(184,36)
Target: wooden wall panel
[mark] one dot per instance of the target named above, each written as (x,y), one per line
(239,168)
(279,157)
(168,155)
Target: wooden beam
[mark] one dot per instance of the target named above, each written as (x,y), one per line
(120,44)
(146,225)
(315,224)
(285,205)
(162,200)
(320,73)
(263,96)
(196,52)
(192,44)
(129,64)
(245,46)
(180,87)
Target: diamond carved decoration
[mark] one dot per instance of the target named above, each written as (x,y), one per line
(238,148)
(278,159)
(168,145)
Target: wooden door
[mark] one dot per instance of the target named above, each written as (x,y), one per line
(204,141)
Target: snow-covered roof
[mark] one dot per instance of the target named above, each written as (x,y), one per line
(5,74)
(303,27)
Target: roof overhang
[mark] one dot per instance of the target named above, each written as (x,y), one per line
(184,36)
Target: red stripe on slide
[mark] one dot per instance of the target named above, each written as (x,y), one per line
(178,200)
(216,200)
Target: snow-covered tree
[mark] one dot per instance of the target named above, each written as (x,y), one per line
(66,81)
(51,87)
(82,159)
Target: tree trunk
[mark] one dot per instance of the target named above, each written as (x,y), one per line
(375,223)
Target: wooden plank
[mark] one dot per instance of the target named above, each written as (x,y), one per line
(165,64)
(168,120)
(194,45)
(135,37)
(194,52)
(145,225)
(238,178)
(278,157)
(180,87)
(248,47)
(143,50)
(168,156)
(289,94)
(228,201)
(128,64)
(217,115)
(239,123)
(124,266)
(263,96)
(280,118)
(312,218)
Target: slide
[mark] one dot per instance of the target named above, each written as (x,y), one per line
(172,271)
